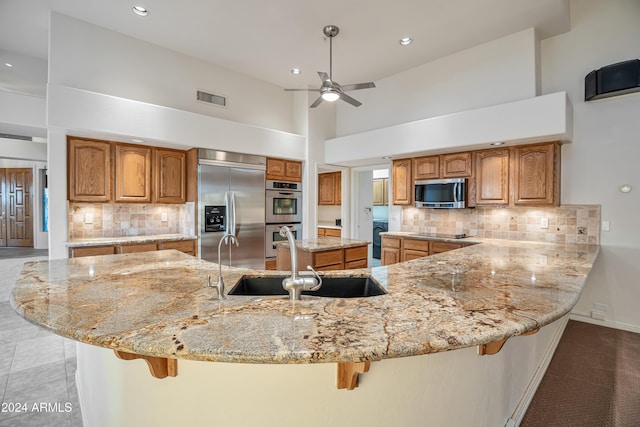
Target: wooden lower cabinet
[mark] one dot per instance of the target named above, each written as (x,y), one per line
(439,247)
(330,259)
(414,248)
(329,232)
(390,251)
(397,249)
(186,246)
(270,264)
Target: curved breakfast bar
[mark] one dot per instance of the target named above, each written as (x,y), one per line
(156,304)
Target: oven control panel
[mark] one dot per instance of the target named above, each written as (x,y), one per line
(214,218)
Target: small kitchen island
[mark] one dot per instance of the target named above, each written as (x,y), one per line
(275,361)
(325,254)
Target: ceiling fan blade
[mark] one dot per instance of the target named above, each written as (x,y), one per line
(357,86)
(302,90)
(350,100)
(324,76)
(316,102)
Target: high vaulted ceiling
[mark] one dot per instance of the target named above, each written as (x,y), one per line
(266,39)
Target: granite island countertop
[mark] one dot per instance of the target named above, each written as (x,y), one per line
(120,240)
(324,244)
(156,304)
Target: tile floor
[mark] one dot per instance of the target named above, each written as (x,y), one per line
(37,368)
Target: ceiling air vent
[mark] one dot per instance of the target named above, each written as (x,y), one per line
(211,98)
(20,137)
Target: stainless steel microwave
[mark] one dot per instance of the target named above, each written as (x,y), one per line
(441,193)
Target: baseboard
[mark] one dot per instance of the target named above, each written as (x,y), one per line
(605,323)
(525,401)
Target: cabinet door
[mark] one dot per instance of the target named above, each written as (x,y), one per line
(492,177)
(439,247)
(140,247)
(389,256)
(333,232)
(92,251)
(275,168)
(133,173)
(326,189)
(402,182)
(337,182)
(186,246)
(426,167)
(89,170)
(410,254)
(457,165)
(170,173)
(536,175)
(293,171)
(378,192)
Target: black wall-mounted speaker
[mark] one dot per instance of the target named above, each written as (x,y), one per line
(613,80)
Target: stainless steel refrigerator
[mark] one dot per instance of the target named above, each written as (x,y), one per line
(223,176)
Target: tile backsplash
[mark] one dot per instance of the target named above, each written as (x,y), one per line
(129,219)
(567,223)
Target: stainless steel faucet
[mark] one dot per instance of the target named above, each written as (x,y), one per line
(219,285)
(298,283)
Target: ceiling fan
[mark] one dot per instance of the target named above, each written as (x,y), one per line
(330,90)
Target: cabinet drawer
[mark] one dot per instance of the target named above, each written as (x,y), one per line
(186,246)
(361,263)
(93,251)
(327,258)
(143,247)
(390,242)
(438,247)
(354,254)
(270,264)
(410,254)
(321,232)
(418,245)
(330,267)
(332,232)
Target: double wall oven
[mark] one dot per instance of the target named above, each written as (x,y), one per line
(283,206)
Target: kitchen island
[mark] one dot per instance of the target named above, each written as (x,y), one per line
(280,356)
(325,254)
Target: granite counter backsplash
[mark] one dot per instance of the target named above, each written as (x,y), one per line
(130,219)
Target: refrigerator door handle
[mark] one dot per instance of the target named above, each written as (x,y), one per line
(230,202)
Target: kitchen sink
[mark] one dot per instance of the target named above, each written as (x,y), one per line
(332,287)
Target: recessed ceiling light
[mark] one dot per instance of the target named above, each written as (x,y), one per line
(296,71)
(406,41)
(8,65)
(496,144)
(140,11)
(136,140)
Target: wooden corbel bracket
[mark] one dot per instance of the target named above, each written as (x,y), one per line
(348,373)
(160,367)
(495,346)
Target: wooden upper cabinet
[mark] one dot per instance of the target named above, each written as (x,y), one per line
(284,170)
(402,182)
(133,173)
(381,192)
(169,173)
(338,187)
(456,165)
(536,171)
(326,189)
(89,170)
(492,177)
(426,167)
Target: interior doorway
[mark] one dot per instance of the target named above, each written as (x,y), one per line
(16,207)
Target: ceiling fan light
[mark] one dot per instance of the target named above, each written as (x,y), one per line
(140,10)
(330,95)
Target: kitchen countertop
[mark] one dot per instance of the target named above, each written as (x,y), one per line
(324,244)
(329,225)
(431,236)
(156,304)
(128,240)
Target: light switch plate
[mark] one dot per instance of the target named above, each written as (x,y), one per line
(544,223)
(88,218)
(606,226)
(163,217)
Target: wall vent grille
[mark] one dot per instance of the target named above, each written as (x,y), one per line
(211,98)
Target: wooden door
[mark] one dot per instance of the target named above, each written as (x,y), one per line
(492,177)
(169,176)
(3,209)
(133,173)
(89,170)
(18,194)
(402,182)
(326,188)
(536,170)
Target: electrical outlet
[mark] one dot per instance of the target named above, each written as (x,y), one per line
(88,218)
(544,222)
(606,226)
(163,217)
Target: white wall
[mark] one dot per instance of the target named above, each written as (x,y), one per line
(605,150)
(89,57)
(22,114)
(500,71)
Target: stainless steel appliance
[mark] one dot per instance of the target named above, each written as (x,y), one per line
(441,193)
(231,183)
(273,236)
(283,202)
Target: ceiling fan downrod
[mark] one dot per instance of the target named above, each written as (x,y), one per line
(331,31)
